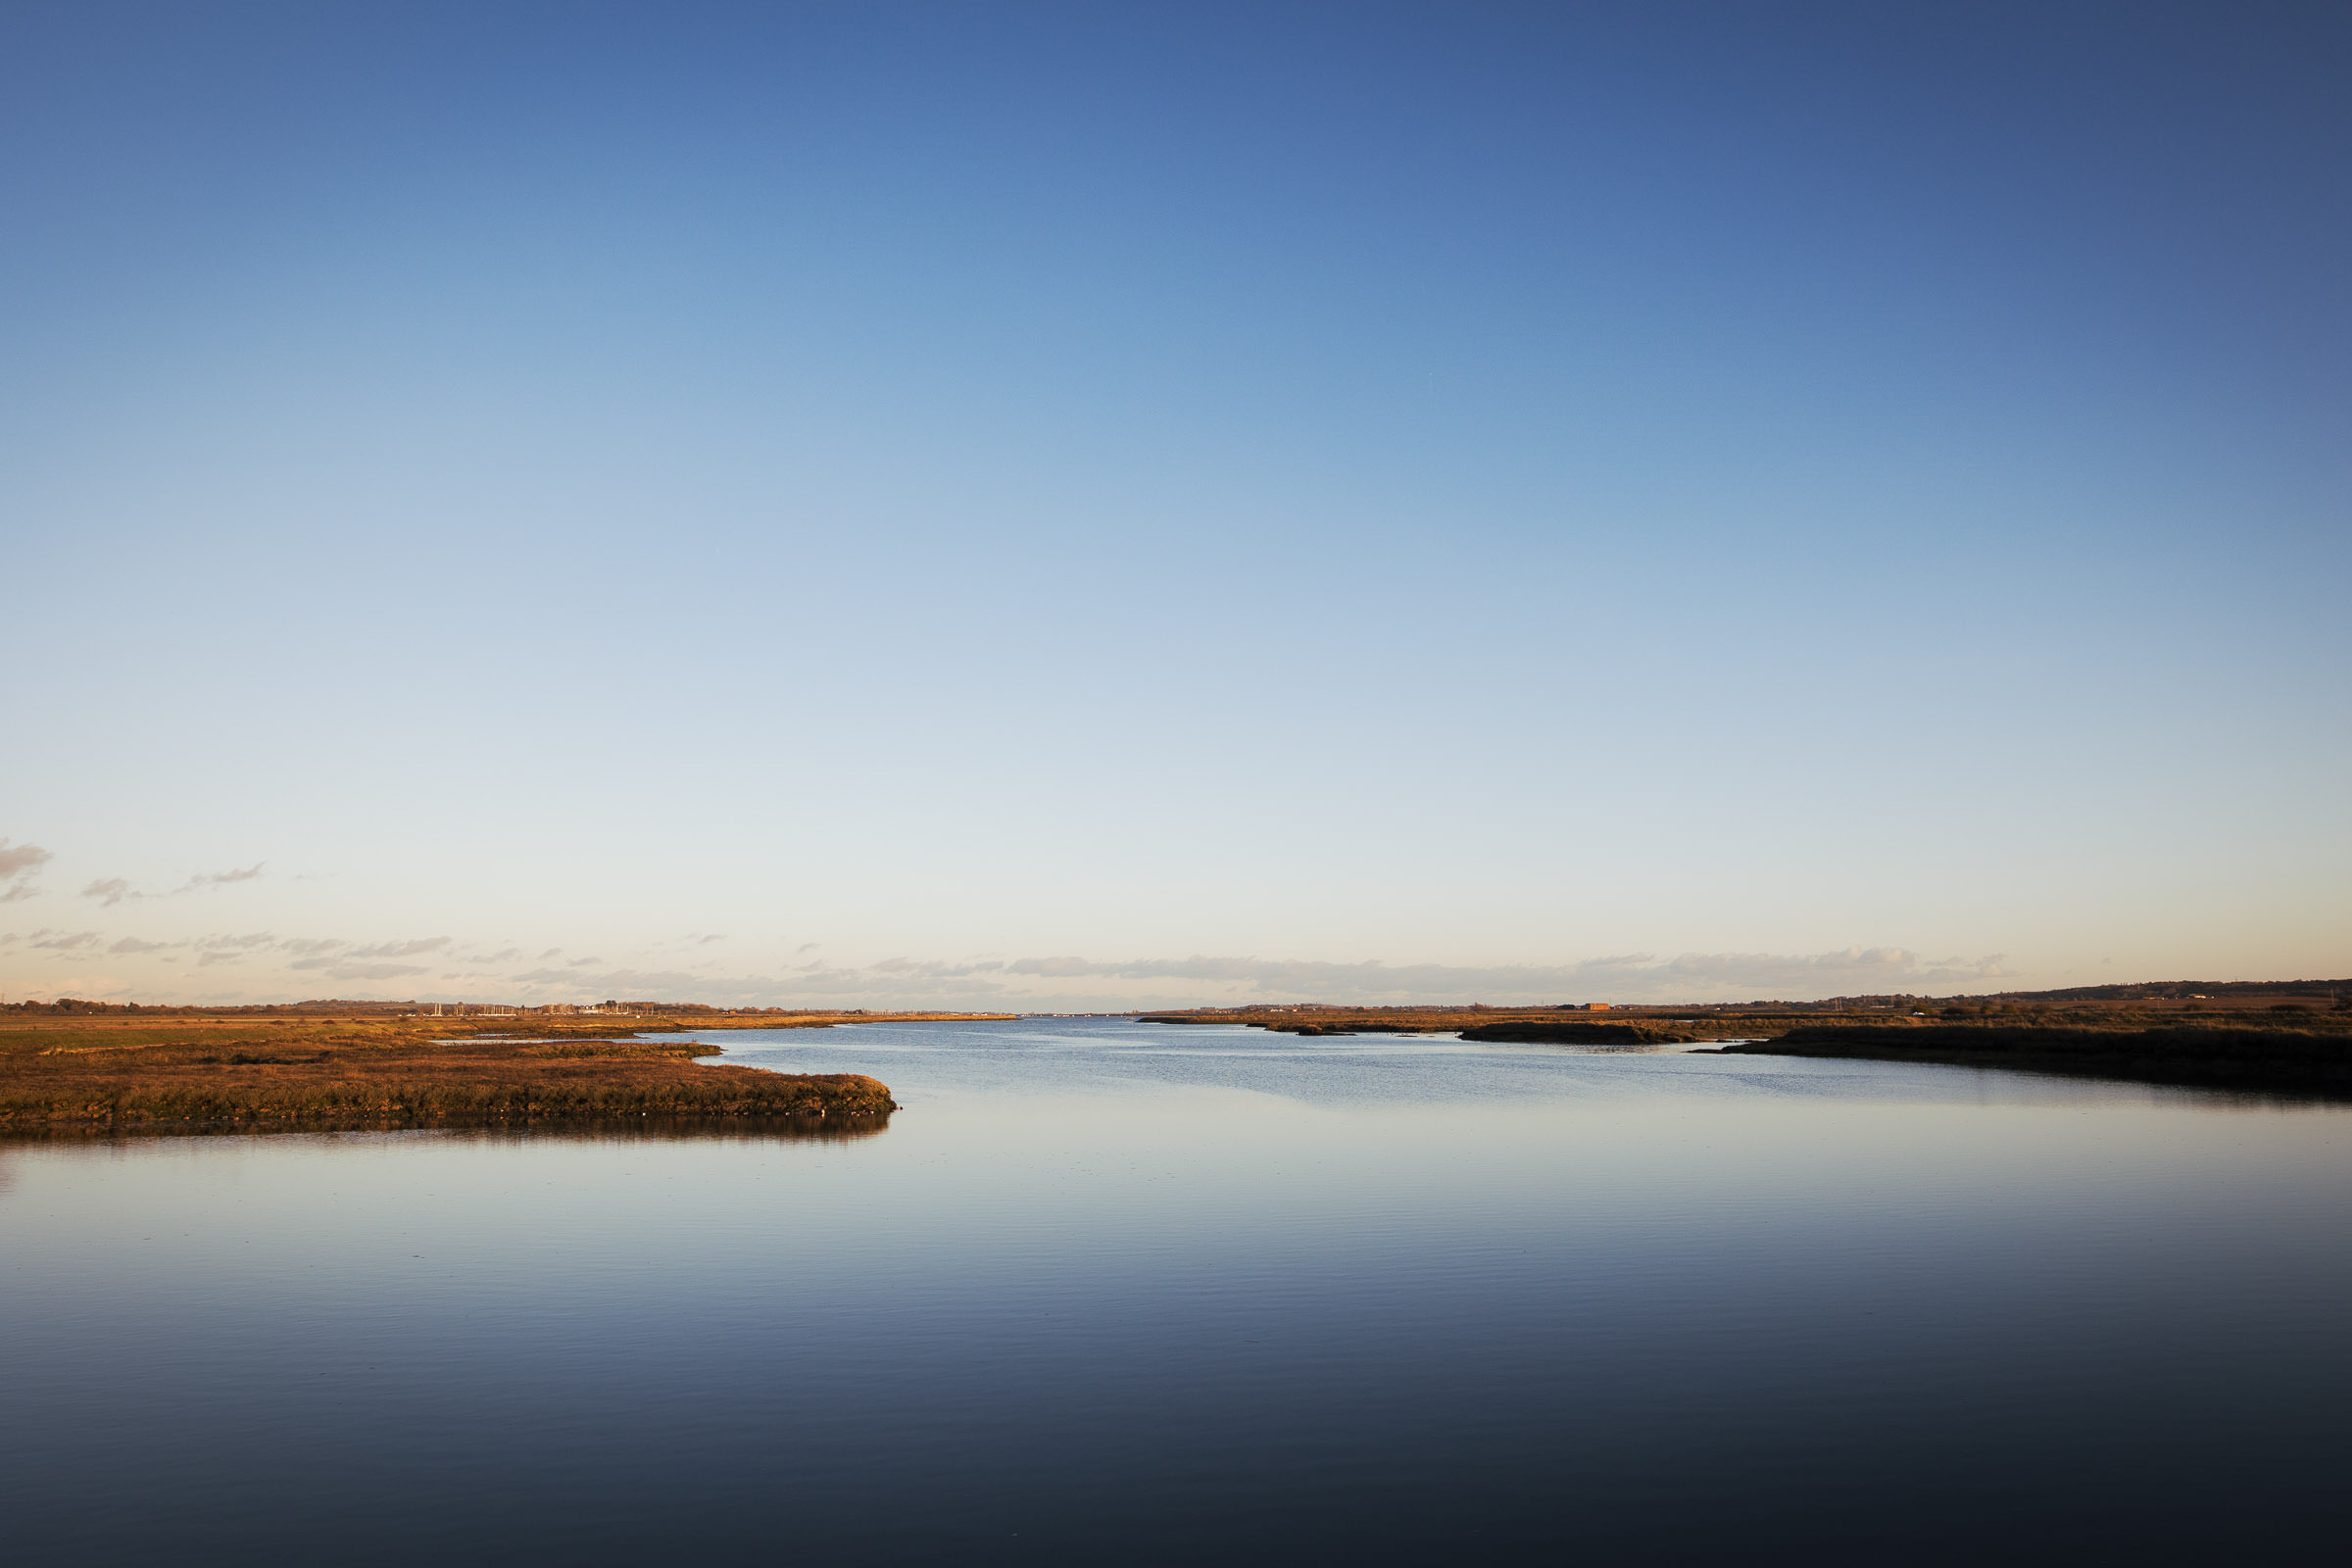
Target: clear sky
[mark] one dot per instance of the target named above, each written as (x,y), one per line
(1080,506)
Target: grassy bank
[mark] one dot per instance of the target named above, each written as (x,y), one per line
(132,1072)
(1625,1027)
(2270,1060)
(2261,1043)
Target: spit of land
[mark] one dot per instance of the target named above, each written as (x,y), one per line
(168,1070)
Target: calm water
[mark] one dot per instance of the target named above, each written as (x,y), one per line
(1108,1290)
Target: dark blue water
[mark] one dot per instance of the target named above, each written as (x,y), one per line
(1116,1291)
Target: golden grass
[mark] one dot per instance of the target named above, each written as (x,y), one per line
(370,1070)
(1699,1022)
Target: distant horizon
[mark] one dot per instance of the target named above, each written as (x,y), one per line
(2297,986)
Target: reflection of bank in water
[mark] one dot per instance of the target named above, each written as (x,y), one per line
(586,1130)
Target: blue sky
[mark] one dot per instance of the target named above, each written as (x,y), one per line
(1080,506)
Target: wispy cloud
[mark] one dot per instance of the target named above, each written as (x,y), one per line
(340,960)
(1069,982)
(1856,969)
(401,949)
(65,941)
(667,985)
(1632,976)
(231,949)
(330,958)
(210,881)
(888,983)
(931,969)
(112,890)
(373,971)
(18,864)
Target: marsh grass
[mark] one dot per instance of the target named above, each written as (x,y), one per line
(2260,1045)
(311,1073)
(2273,1060)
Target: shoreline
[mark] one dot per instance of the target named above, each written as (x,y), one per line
(2255,1050)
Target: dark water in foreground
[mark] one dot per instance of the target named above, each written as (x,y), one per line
(1108,1291)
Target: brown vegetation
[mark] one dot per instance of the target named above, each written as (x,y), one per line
(2320,1005)
(257,1070)
(2285,1037)
(1626,1026)
(2276,1060)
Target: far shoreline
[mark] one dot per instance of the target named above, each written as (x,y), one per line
(2295,1049)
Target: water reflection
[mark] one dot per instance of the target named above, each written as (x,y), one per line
(1112,1292)
(623,1129)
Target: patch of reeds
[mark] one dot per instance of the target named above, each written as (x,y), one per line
(322,1076)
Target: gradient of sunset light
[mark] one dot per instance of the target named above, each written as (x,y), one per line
(1086,507)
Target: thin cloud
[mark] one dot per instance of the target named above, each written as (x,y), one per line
(231,949)
(370,971)
(891,982)
(929,968)
(669,985)
(18,864)
(112,890)
(401,949)
(212,881)
(340,960)
(1632,976)
(1868,969)
(1077,982)
(65,941)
